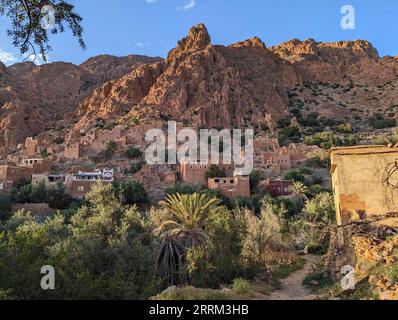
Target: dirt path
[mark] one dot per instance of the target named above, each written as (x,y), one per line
(292,288)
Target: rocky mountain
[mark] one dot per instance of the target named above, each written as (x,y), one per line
(337,62)
(34,99)
(199,82)
(210,85)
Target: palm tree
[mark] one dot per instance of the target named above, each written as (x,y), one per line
(185,230)
(300,191)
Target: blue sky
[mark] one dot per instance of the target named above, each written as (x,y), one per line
(153,27)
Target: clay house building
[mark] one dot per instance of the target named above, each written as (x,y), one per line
(73,151)
(279,188)
(265,144)
(38,165)
(87,139)
(55,149)
(365,182)
(31,147)
(284,161)
(51,180)
(195,173)
(231,187)
(9,175)
(83,182)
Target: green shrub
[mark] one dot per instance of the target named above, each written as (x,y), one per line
(134,153)
(241,286)
(110,150)
(131,192)
(290,131)
(5,206)
(345,128)
(379,122)
(190,294)
(136,167)
(183,188)
(215,172)
(325,140)
(294,175)
(59,140)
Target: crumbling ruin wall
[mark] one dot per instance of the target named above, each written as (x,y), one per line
(362,245)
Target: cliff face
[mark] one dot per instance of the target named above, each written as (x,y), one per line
(34,98)
(199,82)
(212,86)
(337,62)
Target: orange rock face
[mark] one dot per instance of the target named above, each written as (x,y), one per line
(245,84)
(212,86)
(37,98)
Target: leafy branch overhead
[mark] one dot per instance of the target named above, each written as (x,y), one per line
(27,16)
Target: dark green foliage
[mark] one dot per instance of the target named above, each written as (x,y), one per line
(134,153)
(57,196)
(325,140)
(26,31)
(183,188)
(136,167)
(215,172)
(379,122)
(311,120)
(255,178)
(290,131)
(59,140)
(110,150)
(103,252)
(131,192)
(294,175)
(5,206)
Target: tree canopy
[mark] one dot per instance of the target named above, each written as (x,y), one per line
(33,20)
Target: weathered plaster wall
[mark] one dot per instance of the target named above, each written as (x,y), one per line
(365,184)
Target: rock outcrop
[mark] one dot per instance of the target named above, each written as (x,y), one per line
(34,99)
(202,83)
(337,62)
(244,84)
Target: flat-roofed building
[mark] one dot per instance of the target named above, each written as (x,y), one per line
(38,165)
(9,175)
(231,187)
(83,182)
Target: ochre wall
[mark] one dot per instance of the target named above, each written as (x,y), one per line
(360,184)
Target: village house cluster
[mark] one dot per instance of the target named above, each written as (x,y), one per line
(36,158)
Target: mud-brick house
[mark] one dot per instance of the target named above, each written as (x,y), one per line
(232,187)
(31,146)
(195,173)
(38,165)
(279,188)
(51,180)
(9,175)
(83,182)
(73,151)
(365,182)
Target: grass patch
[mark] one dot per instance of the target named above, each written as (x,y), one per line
(318,282)
(193,294)
(283,271)
(241,286)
